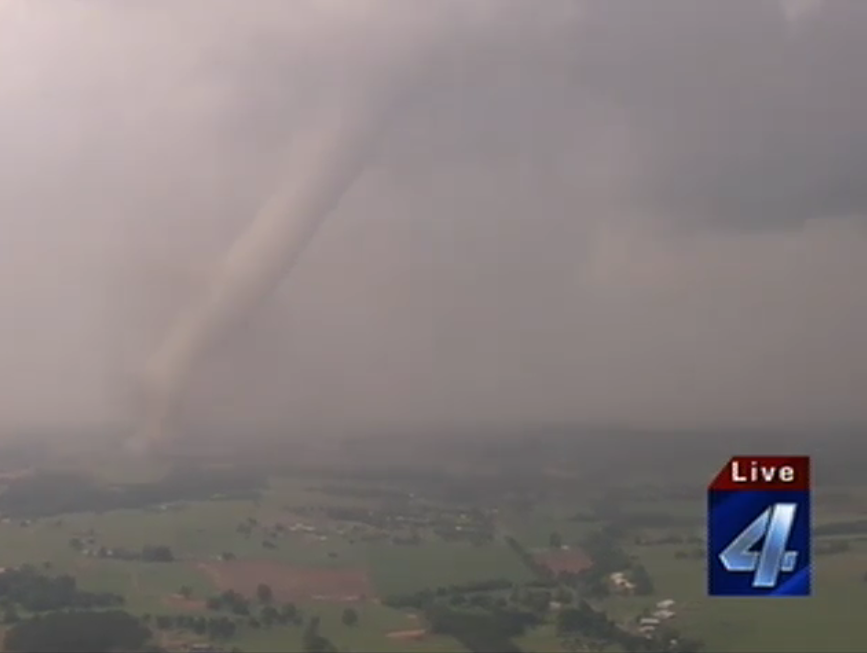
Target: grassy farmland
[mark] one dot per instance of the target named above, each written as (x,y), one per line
(399,552)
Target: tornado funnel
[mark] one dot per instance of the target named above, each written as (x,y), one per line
(326,158)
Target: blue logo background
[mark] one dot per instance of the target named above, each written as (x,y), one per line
(729,513)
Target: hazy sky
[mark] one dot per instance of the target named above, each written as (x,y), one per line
(640,213)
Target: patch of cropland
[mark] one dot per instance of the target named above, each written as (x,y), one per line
(48,493)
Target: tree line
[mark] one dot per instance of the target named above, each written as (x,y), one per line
(27,589)
(539,570)
(148,553)
(79,632)
(421,599)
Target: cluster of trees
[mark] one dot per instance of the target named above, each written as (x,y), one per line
(269,614)
(584,620)
(224,627)
(476,527)
(539,599)
(480,615)
(641,578)
(249,525)
(832,547)
(481,630)
(608,557)
(28,589)
(157,553)
(349,617)
(697,553)
(314,641)
(48,493)
(477,536)
(148,553)
(231,601)
(420,600)
(586,625)
(214,627)
(79,632)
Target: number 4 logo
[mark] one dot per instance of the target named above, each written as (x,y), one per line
(775,526)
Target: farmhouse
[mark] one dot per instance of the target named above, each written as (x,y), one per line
(664,614)
(621,582)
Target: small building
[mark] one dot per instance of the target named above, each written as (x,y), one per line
(621,582)
(664,614)
(667,604)
(648,621)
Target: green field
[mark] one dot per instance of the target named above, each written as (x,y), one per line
(200,531)
(831,619)
(398,570)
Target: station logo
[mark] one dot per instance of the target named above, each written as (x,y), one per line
(759,527)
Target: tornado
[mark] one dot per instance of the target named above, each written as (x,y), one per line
(326,157)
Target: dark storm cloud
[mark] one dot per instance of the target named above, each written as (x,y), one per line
(517,251)
(738,117)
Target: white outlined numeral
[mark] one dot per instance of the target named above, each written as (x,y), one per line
(775,526)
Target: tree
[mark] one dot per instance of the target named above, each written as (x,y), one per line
(264,593)
(164,622)
(563,595)
(288,612)
(643,581)
(269,615)
(186,591)
(349,617)
(555,540)
(159,553)
(313,641)
(221,627)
